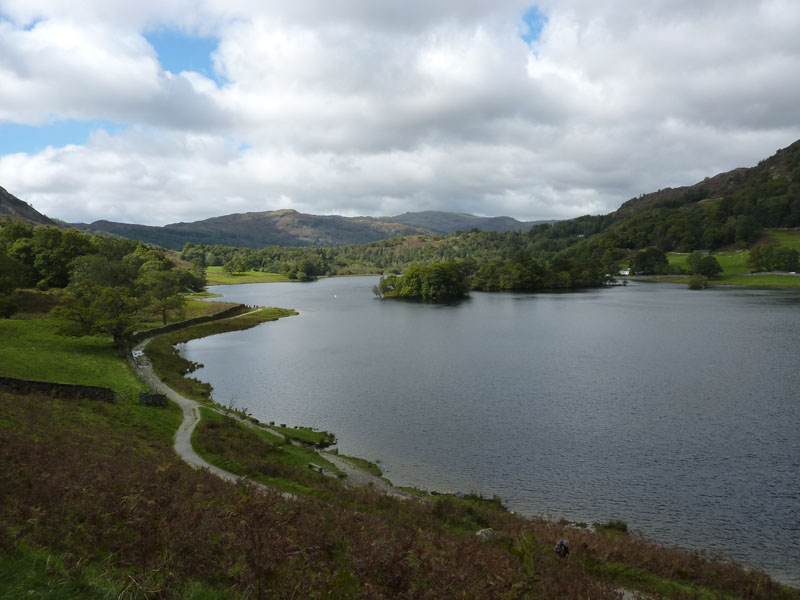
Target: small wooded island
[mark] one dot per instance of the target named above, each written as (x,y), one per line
(440,282)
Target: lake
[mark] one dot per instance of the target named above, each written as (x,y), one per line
(676,411)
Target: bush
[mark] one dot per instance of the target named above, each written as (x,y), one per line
(697,282)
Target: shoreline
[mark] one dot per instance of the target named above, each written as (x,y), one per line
(183,446)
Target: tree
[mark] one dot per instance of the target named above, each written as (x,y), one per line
(703,264)
(438,282)
(693,261)
(11,277)
(709,267)
(91,309)
(649,261)
(163,290)
(697,282)
(772,257)
(101,299)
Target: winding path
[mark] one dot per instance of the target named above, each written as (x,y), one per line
(191,417)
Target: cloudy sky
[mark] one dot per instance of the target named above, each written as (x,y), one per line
(157,111)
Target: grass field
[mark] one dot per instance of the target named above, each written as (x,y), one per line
(785,237)
(731,262)
(32,349)
(216,276)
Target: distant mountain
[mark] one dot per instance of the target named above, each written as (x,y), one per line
(259,229)
(291,228)
(447,222)
(18,210)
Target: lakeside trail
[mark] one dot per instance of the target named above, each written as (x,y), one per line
(191,417)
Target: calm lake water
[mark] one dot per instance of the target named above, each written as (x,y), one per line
(676,411)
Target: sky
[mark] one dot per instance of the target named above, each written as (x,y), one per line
(161,111)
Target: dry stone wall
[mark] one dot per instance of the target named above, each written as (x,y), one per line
(67,391)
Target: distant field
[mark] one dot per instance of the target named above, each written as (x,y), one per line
(216,276)
(786,237)
(731,262)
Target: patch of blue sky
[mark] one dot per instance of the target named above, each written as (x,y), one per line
(25,26)
(178,51)
(533,21)
(31,139)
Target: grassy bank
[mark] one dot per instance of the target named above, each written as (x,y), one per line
(306,435)
(252,452)
(760,280)
(363,464)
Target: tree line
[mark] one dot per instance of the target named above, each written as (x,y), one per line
(105,285)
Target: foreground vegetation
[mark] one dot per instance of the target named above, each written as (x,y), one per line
(96,505)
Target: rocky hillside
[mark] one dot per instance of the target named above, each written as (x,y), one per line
(18,210)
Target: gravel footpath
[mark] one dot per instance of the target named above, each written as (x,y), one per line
(191,417)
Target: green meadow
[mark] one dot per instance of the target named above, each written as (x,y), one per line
(216,276)
(731,262)
(785,237)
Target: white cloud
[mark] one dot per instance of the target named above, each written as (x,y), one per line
(360,107)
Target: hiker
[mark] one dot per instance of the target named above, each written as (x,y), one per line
(562,548)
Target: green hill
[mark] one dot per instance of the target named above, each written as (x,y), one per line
(291,228)
(259,229)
